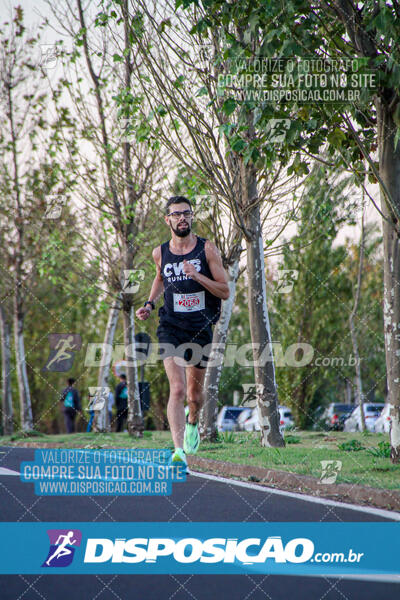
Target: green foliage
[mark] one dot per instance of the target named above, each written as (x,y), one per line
(382,450)
(292,439)
(312,311)
(255,30)
(27,434)
(351,446)
(228,437)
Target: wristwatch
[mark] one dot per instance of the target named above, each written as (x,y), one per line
(151,303)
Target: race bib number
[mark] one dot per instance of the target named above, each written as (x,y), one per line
(189,302)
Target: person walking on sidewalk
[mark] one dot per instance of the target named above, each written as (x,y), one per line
(121,402)
(194,281)
(71,404)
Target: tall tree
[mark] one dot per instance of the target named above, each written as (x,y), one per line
(125,172)
(311,310)
(28,175)
(357,43)
(197,136)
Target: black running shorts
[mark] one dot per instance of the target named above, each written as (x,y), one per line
(188,345)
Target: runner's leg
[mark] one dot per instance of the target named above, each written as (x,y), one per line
(175,408)
(195,391)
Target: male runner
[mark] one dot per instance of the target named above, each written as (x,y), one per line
(191,274)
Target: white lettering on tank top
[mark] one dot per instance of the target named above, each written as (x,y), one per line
(176,269)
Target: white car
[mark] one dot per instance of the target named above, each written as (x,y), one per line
(228,416)
(242,418)
(285,420)
(286,417)
(382,424)
(371,413)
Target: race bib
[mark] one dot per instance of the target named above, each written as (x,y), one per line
(189,302)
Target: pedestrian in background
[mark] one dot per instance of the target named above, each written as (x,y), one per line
(121,402)
(71,404)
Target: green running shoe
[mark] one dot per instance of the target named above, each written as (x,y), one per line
(179,458)
(191,441)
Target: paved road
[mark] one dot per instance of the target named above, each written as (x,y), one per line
(197,499)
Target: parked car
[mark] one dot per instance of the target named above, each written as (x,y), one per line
(252,423)
(333,417)
(228,416)
(286,417)
(371,413)
(382,423)
(285,420)
(242,418)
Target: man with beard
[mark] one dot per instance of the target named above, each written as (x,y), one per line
(191,274)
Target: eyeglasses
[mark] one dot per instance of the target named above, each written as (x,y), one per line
(177,214)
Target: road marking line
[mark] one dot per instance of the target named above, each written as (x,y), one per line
(4,471)
(377,578)
(388,514)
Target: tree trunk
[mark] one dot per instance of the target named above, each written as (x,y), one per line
(101,420)
(360,396)
(7,407)
(389,170)
(348,396)
(23,385)
(135,417)
(208,417)
(267,398)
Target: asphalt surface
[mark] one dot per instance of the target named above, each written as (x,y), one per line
(196,500)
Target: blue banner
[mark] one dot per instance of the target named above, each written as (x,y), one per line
(330,549)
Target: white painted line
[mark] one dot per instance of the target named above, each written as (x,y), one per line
(4,471)
(388,514)
(377,578)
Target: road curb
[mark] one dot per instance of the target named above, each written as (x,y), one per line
(303,484)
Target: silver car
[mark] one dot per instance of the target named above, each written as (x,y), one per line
(242,418)
(371,413)
(285,420)
(382,424)
(228,416)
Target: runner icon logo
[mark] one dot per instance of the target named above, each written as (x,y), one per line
(62,547)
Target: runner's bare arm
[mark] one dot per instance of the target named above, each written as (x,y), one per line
(158,285)
(156,289)
(219,286)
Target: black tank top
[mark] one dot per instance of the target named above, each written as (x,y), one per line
(187,304)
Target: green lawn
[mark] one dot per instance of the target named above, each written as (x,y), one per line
(302,454)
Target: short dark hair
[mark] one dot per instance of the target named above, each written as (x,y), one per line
(123,376)
(176,200)
(71,381)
